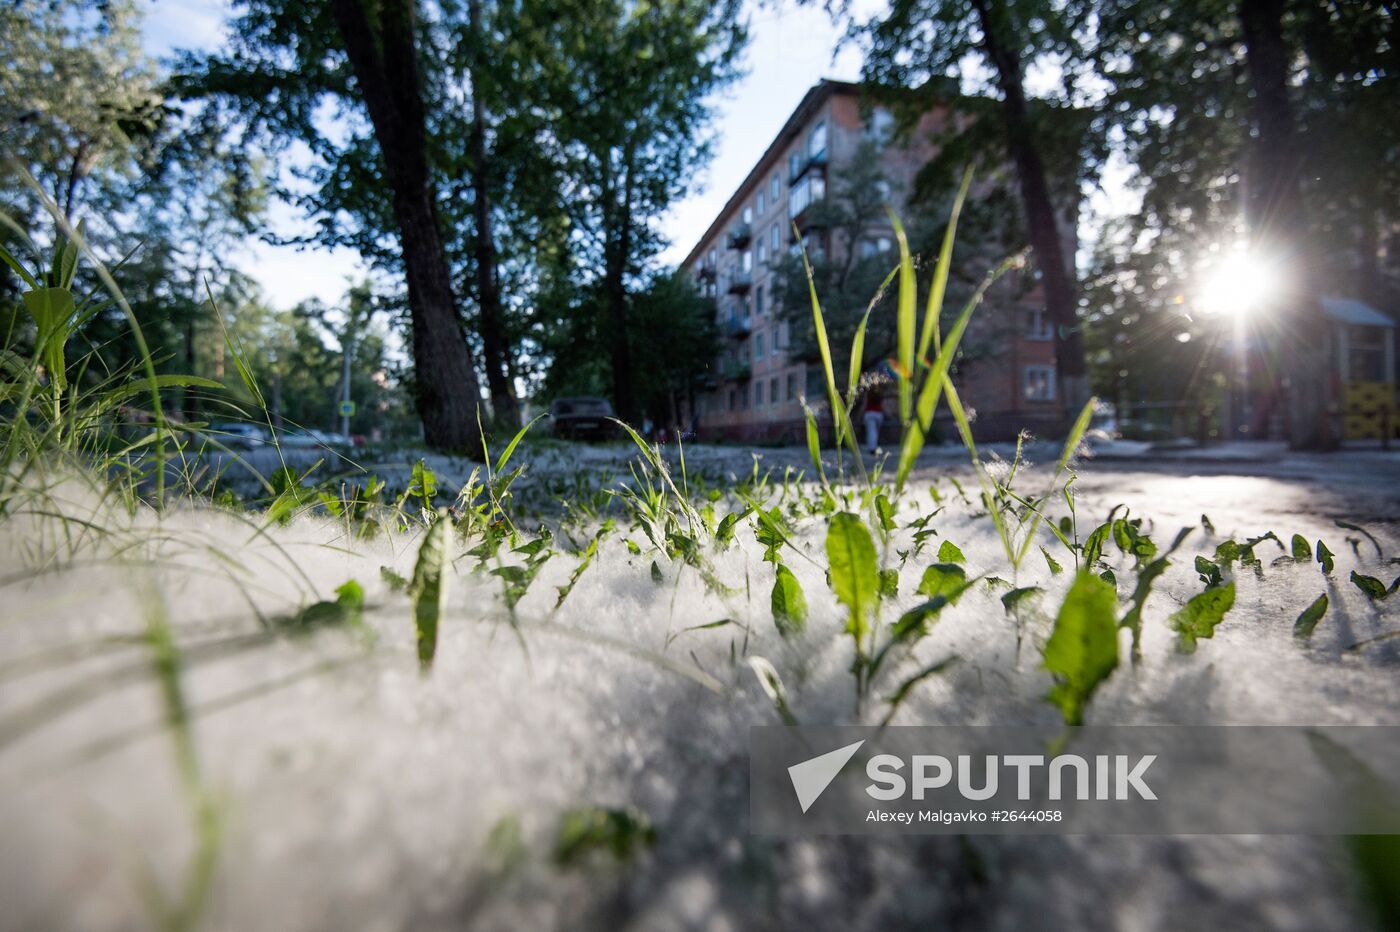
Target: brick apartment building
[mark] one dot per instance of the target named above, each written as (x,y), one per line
(756,384)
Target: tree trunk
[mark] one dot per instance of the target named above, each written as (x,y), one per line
(1061,299)
(619,250)
(383,56)
(190,401)
(1278,225)
(494,350)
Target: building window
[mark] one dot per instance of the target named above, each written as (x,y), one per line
(1038,383)
(748,260)
(714,258)
(762,252)
(758,346)
(875,246)
(758,394)
(761,204)
(758,301)
(744,397)
(748,215)
(879,126)
(773,390)
(816,142)
(1365,354)
(733,400)
(774,347)
(791,387)
(775,188)
(1038,325)
(794,164)
(775,239)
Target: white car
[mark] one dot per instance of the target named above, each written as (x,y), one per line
(306,438)
(239,435)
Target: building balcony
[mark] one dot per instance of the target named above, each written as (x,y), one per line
(740,236)
(706,273)
(735,370)
(811,217)
(740,282)
(812,161)
(736,328)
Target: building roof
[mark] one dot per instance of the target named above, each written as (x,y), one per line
(814,98)
(1357,313)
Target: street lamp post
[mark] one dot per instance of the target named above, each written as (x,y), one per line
(345,402)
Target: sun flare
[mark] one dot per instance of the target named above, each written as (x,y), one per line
(1239,283)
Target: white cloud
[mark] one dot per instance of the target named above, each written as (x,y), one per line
(172,25)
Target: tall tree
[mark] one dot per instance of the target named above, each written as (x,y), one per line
(382,47)
(1278,220)
(491,324)
(931,40)
(627,89)
(1270,132)
(285,59)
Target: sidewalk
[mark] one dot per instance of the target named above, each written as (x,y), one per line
(1235,452)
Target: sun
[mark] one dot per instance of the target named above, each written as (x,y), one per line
(1239,283)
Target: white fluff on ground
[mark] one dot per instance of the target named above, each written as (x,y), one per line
(357,793)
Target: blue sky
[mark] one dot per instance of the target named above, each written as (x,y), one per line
(791,48)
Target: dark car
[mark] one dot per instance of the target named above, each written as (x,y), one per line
(581,418)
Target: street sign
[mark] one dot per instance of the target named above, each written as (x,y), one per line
(347,409)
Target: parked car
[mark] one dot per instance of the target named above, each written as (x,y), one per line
(305,437)
(240,436)
(581,418)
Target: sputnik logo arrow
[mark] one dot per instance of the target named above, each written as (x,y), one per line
(811,777)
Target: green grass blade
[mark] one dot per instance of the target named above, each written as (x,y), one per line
(857,355)
(1076,435)
(905,321)
(429,589)
(515,441)
(839,415)
(850,553)
(858,344)
(1083,647)
(18,268)
(137,334)
(915,433)
(934,309)
(814,449)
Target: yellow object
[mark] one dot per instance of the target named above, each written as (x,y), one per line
(1365,406)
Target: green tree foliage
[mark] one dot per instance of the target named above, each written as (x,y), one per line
(848,280)
(672,332)
(288,60)
(626,89)
(78,98)
(927,45)
(85,115)
(1180,101)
